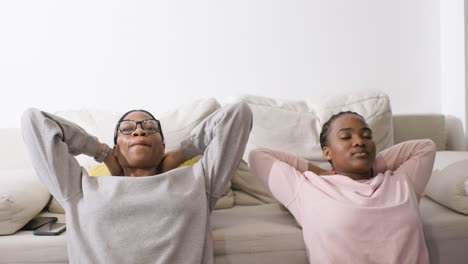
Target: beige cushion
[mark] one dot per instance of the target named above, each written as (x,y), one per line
(448,184)
(22,197)
(55,207)
(227,200)
(247,188)
(420,126)
(257,231)
(295,126)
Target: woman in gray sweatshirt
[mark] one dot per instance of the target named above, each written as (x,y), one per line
(161,218)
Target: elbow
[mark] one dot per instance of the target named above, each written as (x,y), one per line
(425,147)
(28,117)
(256,154)
(431,148)
(31,122)
(252,157)
(244,109)
(432,145)
(243,114)
(429,145)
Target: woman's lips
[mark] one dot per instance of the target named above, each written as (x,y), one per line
(361,154)
(140,143)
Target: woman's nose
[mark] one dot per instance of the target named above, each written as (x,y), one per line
(358,141)
(139,131)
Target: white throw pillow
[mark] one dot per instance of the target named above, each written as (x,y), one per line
(178,124)
(294,126)
(22,197)
(374,106)
(285,125)
(448,184)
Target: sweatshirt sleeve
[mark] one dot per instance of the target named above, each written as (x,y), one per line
(221,139)
(282,174)
(52,142)
(415,158)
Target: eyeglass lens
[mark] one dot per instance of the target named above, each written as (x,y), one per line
(127,127)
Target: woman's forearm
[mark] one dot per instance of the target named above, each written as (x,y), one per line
(393,157)
(270,156)
(52,142)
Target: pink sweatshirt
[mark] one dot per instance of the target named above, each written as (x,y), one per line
(348,221)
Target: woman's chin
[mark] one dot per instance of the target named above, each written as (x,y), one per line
(142,163)
(363,164)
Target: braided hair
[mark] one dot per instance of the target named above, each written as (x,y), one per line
(326,126)
(116,131)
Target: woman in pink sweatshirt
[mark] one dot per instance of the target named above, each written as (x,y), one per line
(365,209)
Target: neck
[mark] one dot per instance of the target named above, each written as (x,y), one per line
(358,176)
(139,172)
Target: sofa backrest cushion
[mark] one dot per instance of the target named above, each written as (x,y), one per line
(420,126)
(22,197)
(247,189)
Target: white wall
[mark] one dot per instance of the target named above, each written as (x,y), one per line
(453,87)
(118,55)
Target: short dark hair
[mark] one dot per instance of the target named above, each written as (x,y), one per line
(116,131)
(326,126)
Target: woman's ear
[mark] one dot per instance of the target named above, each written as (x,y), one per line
(327,153)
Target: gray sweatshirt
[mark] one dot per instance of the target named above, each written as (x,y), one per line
(163,218)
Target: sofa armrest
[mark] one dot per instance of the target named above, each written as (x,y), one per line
(455,134)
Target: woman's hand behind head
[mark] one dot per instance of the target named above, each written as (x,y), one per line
(171,160)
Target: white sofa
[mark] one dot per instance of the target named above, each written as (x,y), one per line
(249,226)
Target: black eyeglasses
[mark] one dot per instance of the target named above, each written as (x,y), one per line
(152,126)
